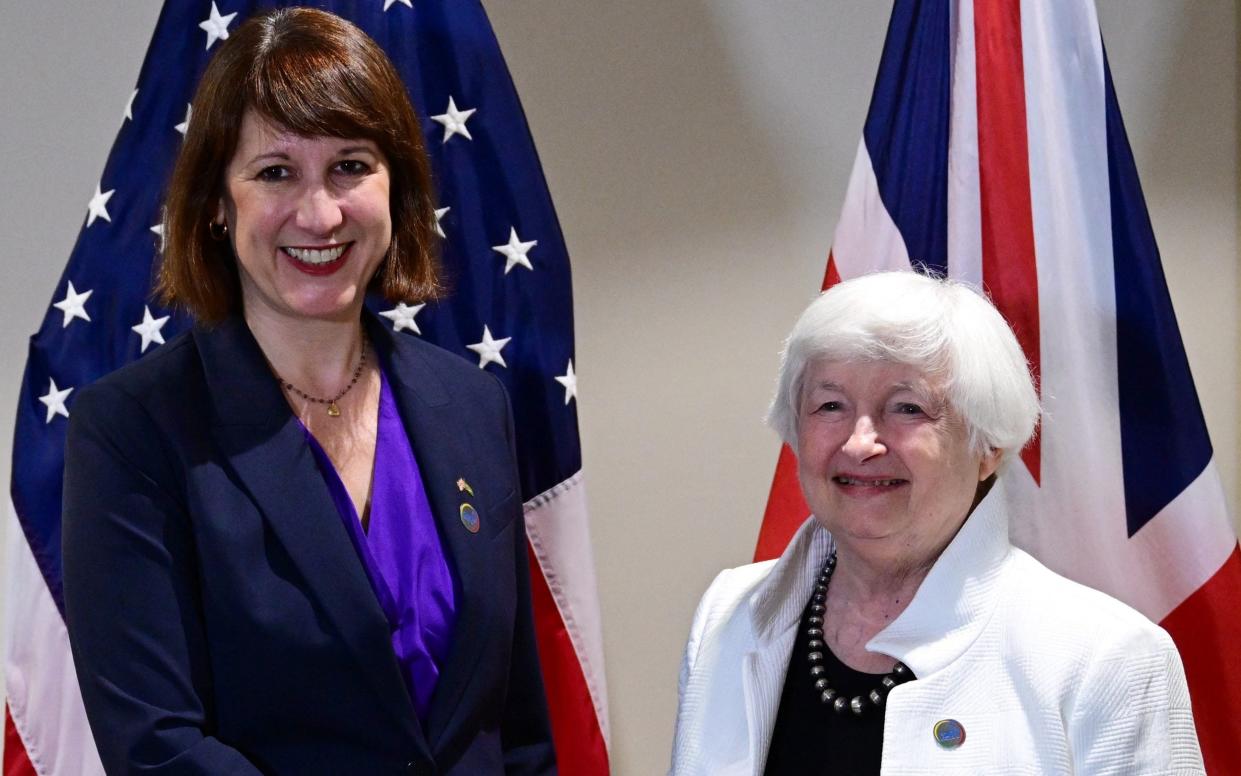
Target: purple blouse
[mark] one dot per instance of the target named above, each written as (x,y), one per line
(401,551)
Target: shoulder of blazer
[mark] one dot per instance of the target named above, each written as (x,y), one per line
(170,370)
(723,602)
(167,388)
(146,412)
(450,371)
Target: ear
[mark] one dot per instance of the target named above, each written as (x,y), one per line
(989,463)
(219,211)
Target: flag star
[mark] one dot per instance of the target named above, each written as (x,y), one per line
(216,26)
(389,3)
(569,381)
(454,120)
(158,230)
(129,106)
(489,349)
(402,316)
(54,399)
(439,214)
(184,125)
(73,305)
(515,251)
(98,207)
(150,329)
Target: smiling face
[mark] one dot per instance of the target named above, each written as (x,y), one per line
(309,220)
(884,463)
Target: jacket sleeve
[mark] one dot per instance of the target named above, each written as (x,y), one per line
(131,596)
(686,739)
(526,733)
(1132,713)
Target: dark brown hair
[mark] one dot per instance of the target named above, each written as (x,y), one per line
(311,73)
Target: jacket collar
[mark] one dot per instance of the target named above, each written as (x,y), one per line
(957,597)
(945,616)
(777,604)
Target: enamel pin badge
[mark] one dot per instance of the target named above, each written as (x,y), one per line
(949,733)
(469,515)
(469,518)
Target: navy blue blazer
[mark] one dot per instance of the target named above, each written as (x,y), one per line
(220,619)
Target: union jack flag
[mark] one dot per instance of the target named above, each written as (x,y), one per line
(994,153)
(510,312)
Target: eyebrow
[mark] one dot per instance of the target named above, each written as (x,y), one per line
(904,385)
(282,156)
(270,155)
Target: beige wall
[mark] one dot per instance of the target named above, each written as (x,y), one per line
(697,153)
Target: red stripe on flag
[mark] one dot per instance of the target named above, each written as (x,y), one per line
(16,762)
(786,507)
(1207,632)
(1008,260)
(580,747)
(830,276)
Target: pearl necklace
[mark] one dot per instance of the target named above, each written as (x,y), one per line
(858,704)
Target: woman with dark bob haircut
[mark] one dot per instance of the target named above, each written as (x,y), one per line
(293,541)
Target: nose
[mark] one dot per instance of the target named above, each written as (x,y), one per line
(864,443)
(318,211)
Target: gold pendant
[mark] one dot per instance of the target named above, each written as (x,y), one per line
(333,411)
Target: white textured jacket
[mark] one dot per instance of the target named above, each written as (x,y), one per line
(1046,676)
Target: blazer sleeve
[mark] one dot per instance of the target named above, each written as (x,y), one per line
(526,734)
(687,741)
(1132,713)
(131,595)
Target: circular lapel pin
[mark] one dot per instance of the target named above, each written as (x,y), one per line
(949,733)
(469,518)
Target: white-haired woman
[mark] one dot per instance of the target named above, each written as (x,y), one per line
(900,632)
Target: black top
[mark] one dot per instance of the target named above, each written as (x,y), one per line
(810,738)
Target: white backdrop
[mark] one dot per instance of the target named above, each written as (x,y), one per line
(697,153)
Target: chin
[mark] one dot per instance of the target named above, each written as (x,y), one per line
(326,307)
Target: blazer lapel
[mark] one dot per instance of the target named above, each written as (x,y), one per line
(763,683)
(267,448)
(775,612)
(443,443)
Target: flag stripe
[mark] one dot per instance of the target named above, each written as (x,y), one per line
(964,203)
(910,102)
(786,509)
(1164,441)
(16,762)
(560,544)
(1207,632)
(866,240)
(44,700)
(1008,264)
(578,749)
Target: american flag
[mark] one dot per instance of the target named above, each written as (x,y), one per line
(994,152)
(510,312)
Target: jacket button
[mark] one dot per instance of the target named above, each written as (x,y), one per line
(419,769)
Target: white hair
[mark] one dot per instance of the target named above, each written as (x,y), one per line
(944,328)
